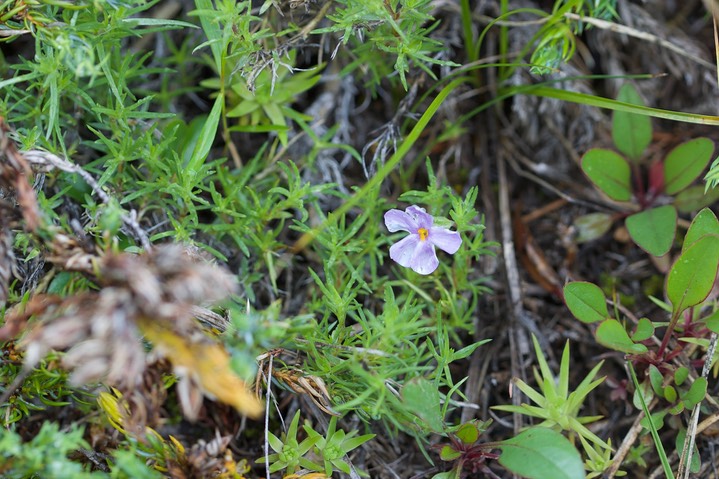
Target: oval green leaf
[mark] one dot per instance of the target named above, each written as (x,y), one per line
(613,335)
(586,301)
(694,198)
(704,223)
(685,163)
(696,393)
(681,375)
(669,393)
(541,453)
(644,330)
(592,226)
(653,230)
(609,172)
(631,132)
(712,322)
(421,397)
(691,278)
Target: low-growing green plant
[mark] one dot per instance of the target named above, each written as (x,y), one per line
(265,105)
(689,282)
(632,177)
(333,447)
(330,449)
(555,404)
(289,453)
(535,453)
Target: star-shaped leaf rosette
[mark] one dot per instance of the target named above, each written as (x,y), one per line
(416,251)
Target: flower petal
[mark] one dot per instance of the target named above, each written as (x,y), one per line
(424,260)
(421,217)
(397,220)
(444,239)
(403,251)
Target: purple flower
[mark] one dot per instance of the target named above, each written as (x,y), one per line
(416,251)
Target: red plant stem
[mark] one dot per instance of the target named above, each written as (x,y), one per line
(668,334)
(639,190)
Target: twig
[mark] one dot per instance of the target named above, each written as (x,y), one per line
(267,418)
(625,446)
(44,158)
(686,457)
(17,382)
(632,32)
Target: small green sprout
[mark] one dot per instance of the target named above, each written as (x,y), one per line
(289,454)
(555,404)
(335,446)
(598,460)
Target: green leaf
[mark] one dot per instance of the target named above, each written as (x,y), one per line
(448,453)
(631,132)
(712,322)
(681,375)
(609,172)
(541,453)
(704,223)
(207,136)
(695,465)
(612,334)
(601,102)
(696,393)
(653,230)
(421,397)
(685,163)
(656,379)
(644,330)
(657,420)
(669,393)
(586,301)
(695,198)
(592,226)
(692,276)
(468,433)
(211,29)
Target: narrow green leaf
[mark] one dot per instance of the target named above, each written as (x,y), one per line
(656,379)
(207,136)
(159,22)
(609,172)
(681,375)
(692,276)
(685,163)
(541,453)
(669,393)
(600,102)
(212,30)
(704,223)
(653,230)
(586,301)
(612,334)
(631,132)
(695,465)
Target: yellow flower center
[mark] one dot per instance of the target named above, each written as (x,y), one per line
(423,233)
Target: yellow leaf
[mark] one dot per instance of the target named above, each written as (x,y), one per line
(112,405)
(207,363)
